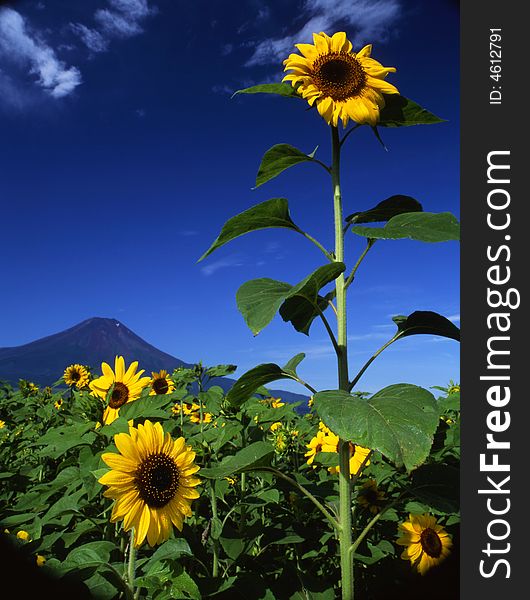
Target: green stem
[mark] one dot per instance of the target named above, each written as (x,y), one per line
(372,522)
(371,360)
(345,493)
(215,566)
(327,254)
(132,562)
(334,523)
(351,277)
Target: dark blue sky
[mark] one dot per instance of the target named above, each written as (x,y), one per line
(122,154)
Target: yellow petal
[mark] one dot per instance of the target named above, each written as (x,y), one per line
(118,462)
(143,525)
(366,51)
(116,478)
(153,531)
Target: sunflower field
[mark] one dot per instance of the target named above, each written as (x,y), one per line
(223,503)
(121,484)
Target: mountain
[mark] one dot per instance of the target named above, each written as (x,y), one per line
(92,342)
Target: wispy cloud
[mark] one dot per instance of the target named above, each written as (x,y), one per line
(28,54)
(121,19)
(223,263)
(367,20)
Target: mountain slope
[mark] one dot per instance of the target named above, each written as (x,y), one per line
(92,342)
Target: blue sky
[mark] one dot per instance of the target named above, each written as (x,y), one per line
(122,155)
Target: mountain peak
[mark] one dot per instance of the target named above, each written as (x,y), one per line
(90,342)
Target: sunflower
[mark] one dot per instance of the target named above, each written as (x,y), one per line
(151,481)
(2,424)
(161,383)
(275,426)
(371,497)
(24,536)
(58,403)
(77,375)
(426,543)
(341,84)
(127,385)
(358,456)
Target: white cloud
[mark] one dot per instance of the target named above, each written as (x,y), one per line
(92,38)
(120,20)
(367,20)
(223,263)
(28,53)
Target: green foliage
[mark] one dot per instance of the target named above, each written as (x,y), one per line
(271,213)
(385,210)
(279,158)
(426,322)
(420,226)
(402,112)
(260,299)
(399,421)
(279,89)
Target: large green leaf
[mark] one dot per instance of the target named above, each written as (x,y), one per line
(399,421)
(271,213)
(385,210)
(402,112)
(426,322)
(259,299)
(257,454)
(263,374)
(280,89)
(420,226)
(304,304)
(279,158)
(59,440)
(148,407)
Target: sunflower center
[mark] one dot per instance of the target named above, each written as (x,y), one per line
(75,375)
(119,396)
(338,75)
(371,496)
(157,480)
(431,543)
(160,386)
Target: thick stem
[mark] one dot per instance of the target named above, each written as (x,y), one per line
(345,497)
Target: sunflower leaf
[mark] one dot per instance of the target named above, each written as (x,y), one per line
(151,406)
(257,454)
(399,421)
(385,210)
(259,300)
(420,226)
(280,89)
(279,158)
(271,213)
(250,382)
(402,112)
(426,322)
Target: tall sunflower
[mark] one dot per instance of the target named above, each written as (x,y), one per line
(127,386)
(341,84)
(77,375)
(151,481)
(161,383)
(426,543)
